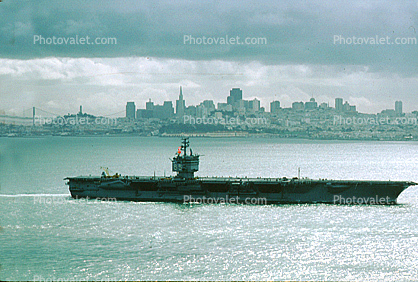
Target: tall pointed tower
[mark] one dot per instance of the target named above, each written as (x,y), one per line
(180,105)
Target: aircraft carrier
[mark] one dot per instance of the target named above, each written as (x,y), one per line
(185,187)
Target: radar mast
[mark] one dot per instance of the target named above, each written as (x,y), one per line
(185,165)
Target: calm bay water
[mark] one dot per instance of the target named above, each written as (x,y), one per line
(45,234)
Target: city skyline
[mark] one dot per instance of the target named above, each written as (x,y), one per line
(285,101)
(236,95)
(339,104)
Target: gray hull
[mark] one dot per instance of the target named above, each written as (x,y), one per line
(236,190)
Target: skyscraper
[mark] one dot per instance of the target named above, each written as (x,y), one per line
(274,106)
(254,105)
(339,104)
(398,108)
(180,105)
(149,105)
(168,109)
(235,95)
(163,111)
(130,110)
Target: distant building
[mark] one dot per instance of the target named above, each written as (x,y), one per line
(275,107)
(243,104)
(339,104)
(205,108)
(148,112)
(149,105)
(157,111)
(191,111)
(388,113)
(130,110)
(164,111)
(180,105)
(235,95)
(398,108)
(254,105)
(224,107)
(201,111)
(298,106)
(140,113)
(348,108)
(209,105)
(311,105)
(323,106)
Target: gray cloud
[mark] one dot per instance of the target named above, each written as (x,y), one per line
(297,32)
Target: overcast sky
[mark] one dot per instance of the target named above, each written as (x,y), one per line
(299,59)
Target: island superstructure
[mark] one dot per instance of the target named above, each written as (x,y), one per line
(185,187)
